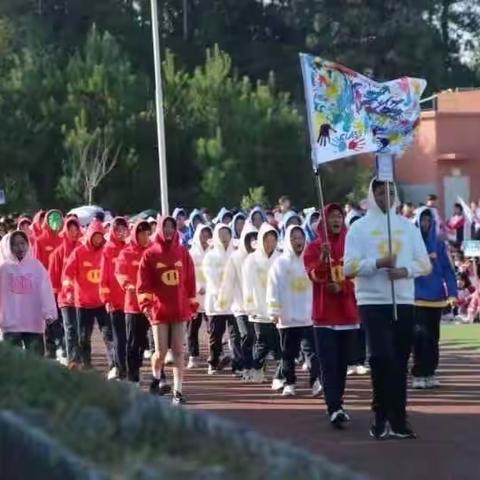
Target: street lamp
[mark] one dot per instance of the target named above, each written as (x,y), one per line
(162,159)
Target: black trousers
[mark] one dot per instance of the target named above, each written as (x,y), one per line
(119,329)
(247,340)
(268,340)
(334,350)
(426,337)
(217,325)
(389,343)
(137,343)
(33,342)
(291,340)
(70,326)
(54,338)
(358,347)
(193,329)
(86,319)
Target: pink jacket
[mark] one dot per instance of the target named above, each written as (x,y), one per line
(26,294)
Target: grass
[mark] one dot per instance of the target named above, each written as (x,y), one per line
(87,415)
(461,336)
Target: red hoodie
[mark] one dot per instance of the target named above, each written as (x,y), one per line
(329,308)
(126,270)
(81,276)
(36,229)
(58,261)
(166,280)
(47,242)
(111,292)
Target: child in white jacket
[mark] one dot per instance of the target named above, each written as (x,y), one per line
(231,295)
(200,245)
(219,316)
(289,300)
(255,276)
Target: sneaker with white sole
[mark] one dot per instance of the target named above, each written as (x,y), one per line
(402,433)
(238,373)
(212,370)
(288,391)
(419,383)
(169,358)
(278,384)
(305,367)
(380,429)
(317,388)
(337,419)
(361,370)
(351,371)
(258,376)
(147,354)
(432,382)
(178,399)
(193,363)
(113,374)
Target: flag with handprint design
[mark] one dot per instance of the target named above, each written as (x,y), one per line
(349,113)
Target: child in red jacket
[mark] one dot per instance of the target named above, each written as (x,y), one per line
(167,296)
(45,244)
(81,278)
(111,293)
(70,235)
(334,309)
(126,272)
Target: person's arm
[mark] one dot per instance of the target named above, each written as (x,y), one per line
(55,270)
(70,276)
(145,286)
(191,287)
(105,276)
(247,286)
(316,263)
(274,291)
(122,273)
(420,265)
(227,287)
(448,274)
(47,298)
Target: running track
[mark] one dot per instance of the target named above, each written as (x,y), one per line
(447,420)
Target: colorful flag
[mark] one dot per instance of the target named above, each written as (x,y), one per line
(349,113)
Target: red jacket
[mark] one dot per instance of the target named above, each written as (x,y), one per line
(36,229)
(81,276)
(126,270)
(58,260)
(46,243)
(166,280)
(329,308)
(110,290)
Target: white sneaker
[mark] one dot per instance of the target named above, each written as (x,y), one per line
(147,354)
(248,375)
(419,383)
(305,367)
(211,370)
(432,382)
(112,374)
(288,391)
(361,370)
(258,376)
(193,363)
(351,371)
(169,358)
(317,388)
(239,373)
(277,384)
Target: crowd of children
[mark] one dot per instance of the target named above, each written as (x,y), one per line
(312,289)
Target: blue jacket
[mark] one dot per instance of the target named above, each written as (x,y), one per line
(286,218)
(184,232)
(221,215)
(433,290)
(187,237)
(254,210)
(310,232)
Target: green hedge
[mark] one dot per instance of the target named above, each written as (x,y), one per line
(115,428)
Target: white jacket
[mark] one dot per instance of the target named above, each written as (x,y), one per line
(231,290)
(213,267)
(289,290)
(367,241)
(198,254)
(255,277)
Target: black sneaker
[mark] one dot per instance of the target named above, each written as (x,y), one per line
(380,429)
(345,417)
(178,399)
(337,419)
(164,387)
(402,433)
(223,363)
(155,386)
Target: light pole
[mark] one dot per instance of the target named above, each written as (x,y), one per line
(162,159)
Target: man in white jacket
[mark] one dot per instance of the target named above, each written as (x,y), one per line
(389,341)
(219,316)
(255,276)
(289,301)
(231,295)
(200,245)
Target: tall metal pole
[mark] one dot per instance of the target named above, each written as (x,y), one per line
(162,158)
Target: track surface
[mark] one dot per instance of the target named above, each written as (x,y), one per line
(446,420)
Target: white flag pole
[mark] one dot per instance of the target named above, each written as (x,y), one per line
(162,159)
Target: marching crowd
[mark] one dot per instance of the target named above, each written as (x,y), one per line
(318,290)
